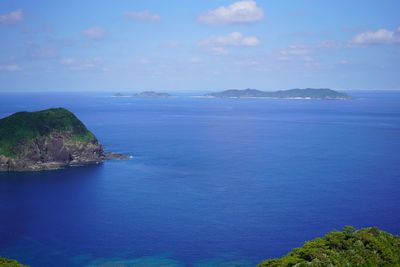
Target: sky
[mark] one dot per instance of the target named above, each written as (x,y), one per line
(178,45)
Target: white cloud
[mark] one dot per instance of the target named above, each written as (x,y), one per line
(194,60)
(12,17)
(232,39)
(144,15)
(172,44)
(82,64)
(239,12)
(294,51)
(10,67)
(144,61)
(219,51)
(41,51)
(94,33)
(298,55)
(67,61)
(381,36)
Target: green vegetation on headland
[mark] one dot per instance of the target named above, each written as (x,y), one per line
(19,129)
(46,140)
(10,263)
(308,93)
(367,247)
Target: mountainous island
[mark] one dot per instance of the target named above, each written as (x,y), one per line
(47,140)
(151,94)
(364,247)
(308,93)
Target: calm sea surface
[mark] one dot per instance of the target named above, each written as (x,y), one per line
(213,182)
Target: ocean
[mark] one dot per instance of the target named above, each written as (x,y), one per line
(212,182)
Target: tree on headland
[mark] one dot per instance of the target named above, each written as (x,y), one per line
(10,263)
(367,247)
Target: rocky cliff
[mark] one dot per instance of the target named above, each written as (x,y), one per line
(44,140)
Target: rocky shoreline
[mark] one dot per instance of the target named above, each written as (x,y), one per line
(54,153)
(48,140)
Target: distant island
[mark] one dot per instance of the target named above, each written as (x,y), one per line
(120,95)
(308,93)
(364,247)
(47,140)
(144,94)
(151,94)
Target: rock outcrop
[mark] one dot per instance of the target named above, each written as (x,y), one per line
(47,140)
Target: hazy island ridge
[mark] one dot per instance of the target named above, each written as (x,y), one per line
(307,93)
(47,140)
(144,94)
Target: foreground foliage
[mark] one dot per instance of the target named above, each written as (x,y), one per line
(10,263)
(368,247)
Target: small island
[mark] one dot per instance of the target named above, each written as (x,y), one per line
(47,140)
(151,94)
(308,93)
(349,247)
(120,95)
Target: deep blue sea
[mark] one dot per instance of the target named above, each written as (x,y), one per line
(213,182)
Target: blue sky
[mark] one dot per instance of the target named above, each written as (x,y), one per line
(177,45)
